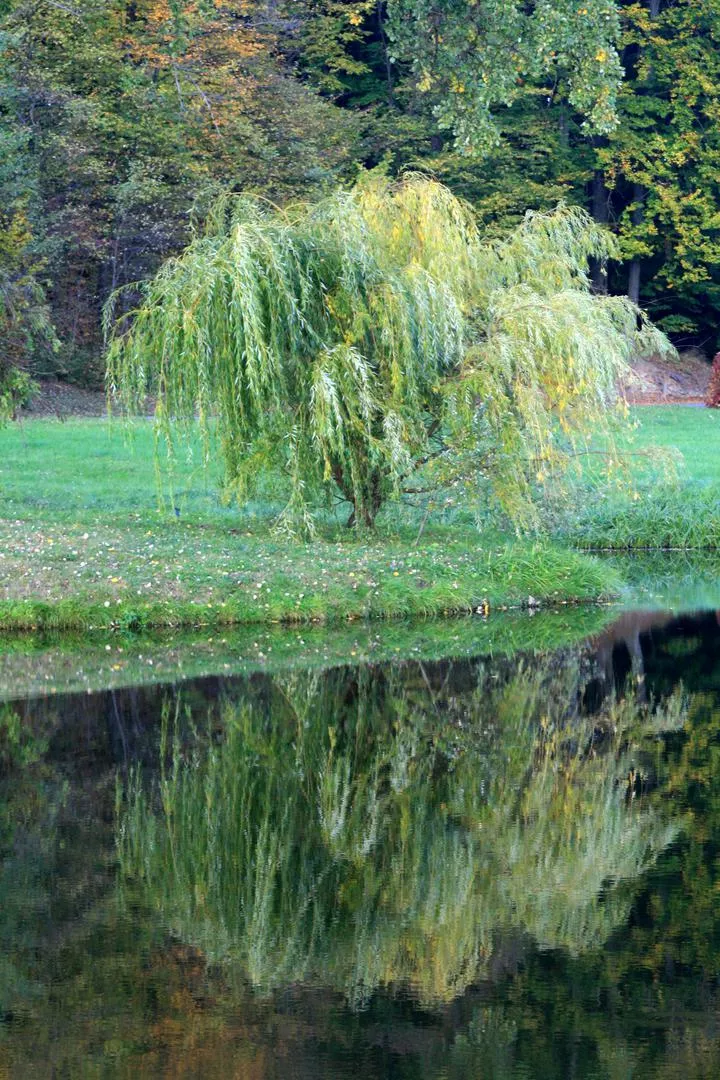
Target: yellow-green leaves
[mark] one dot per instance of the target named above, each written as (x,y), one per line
(373,342)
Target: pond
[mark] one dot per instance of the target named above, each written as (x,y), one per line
(450,863)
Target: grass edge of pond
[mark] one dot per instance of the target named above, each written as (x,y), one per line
(517,577)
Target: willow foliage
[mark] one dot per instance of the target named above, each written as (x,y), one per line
(357,339)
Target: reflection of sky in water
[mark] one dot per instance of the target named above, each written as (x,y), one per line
(433,868)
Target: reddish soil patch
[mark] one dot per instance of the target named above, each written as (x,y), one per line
(63,400)
(660,382)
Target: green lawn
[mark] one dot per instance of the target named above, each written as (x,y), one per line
(694,431)
(82,542)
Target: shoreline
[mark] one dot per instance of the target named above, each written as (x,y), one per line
(569,579)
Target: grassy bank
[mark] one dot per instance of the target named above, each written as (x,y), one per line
(134,578)
(83,544)
(74,662)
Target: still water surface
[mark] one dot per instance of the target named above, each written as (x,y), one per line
(459,868)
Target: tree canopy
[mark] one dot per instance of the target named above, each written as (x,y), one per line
(121,123)
(472,55)
(375,335)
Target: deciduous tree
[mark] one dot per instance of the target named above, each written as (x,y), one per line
(474,55)
(374,336)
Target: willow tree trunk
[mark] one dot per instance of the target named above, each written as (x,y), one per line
(363,512)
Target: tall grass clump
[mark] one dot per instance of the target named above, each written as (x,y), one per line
(661,517)
(373,335)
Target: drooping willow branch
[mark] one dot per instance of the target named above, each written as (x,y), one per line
(337,340)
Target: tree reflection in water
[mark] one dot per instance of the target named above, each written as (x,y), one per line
(360,829)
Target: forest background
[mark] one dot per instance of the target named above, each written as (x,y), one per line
(122,120)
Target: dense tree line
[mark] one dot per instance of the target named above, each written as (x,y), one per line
(121,120)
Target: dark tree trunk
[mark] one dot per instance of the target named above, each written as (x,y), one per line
(368,510)
(601,214)
(563,127)
(363,512)
(635,272)
(389,80)
(639,195)
(634,278)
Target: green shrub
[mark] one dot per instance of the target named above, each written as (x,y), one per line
(16,390)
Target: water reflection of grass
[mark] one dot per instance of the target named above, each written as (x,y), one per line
(42,664)
(685,581)
(354,831)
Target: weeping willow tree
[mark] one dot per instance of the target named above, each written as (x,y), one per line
(354,832)
(375,335)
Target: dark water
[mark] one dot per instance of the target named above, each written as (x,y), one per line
(466,868)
